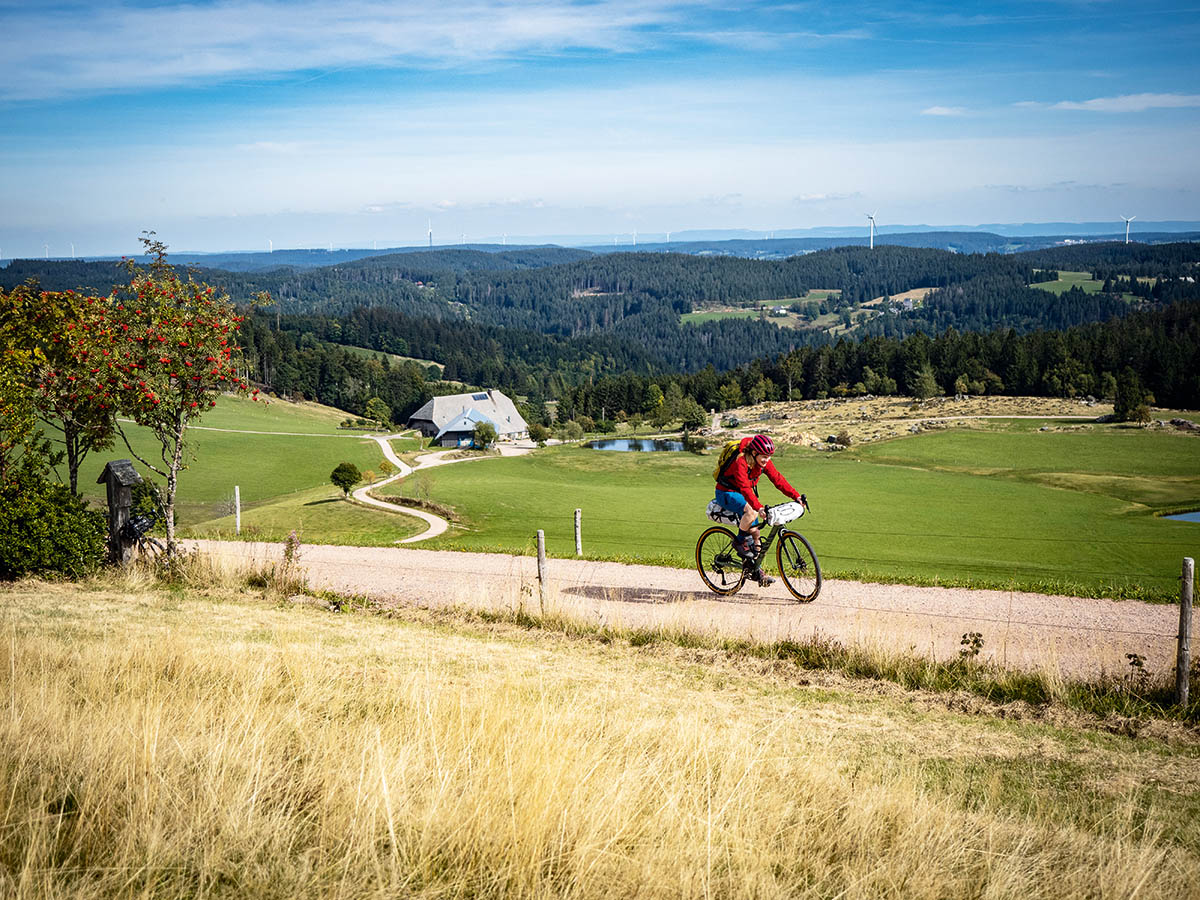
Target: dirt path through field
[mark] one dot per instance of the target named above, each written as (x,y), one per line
(1068,635)
(437,525)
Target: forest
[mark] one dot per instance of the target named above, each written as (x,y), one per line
(595,332)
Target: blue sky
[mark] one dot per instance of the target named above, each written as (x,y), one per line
(229,125)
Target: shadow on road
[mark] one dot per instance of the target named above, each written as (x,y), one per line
(658,596)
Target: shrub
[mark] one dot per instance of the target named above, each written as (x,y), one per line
(45,529)
(539,434)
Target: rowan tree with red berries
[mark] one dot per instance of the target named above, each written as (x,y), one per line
(168,348)
(71,395)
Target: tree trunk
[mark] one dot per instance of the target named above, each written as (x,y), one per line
(71,441)
(172,482)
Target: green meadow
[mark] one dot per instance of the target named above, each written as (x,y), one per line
(1082,280)
(283,478)
(368,353)
(1068,280)
(999,504)
(699,318)
(1060,511)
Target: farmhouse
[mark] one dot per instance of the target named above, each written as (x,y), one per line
(451,419)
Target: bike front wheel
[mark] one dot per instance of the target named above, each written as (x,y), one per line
(718,562)
(799,566)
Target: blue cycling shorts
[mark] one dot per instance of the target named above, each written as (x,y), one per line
(732,501)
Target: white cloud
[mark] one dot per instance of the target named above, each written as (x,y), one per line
(61,50)
(1122,104)
(824,198)
(944,111)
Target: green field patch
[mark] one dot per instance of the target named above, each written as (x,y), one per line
(1158,493)
(1018,446)
(319,515)
(905,516)
(368,353)
(270,414)
(1067,280)
(699,318)
(264,466)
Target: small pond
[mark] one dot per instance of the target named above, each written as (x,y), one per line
(648,445)
(1185,517)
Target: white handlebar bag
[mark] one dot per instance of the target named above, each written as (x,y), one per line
(785,512)
(718,513)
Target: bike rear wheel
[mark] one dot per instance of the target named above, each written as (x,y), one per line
(798,566)
(718,562)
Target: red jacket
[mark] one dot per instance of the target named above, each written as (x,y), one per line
(743,479)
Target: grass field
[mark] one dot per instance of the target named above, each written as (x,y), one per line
(184,742)
(371,354)
(318,515)
(267,467)
(1068,280)
(699,318)
(1061,511)
(1082,280)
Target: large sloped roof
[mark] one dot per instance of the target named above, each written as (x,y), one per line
(493,405)
(464,422)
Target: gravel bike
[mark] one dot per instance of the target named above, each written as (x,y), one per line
(137,530)
(724,570)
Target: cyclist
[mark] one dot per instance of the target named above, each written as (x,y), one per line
(737,491)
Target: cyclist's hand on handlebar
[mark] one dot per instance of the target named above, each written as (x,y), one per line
(804,501)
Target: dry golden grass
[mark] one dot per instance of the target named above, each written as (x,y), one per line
(203,742)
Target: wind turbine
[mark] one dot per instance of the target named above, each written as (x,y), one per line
(46,247)
(668,237)
(270,246)
(430,226)
(1127,219)
(73,249)
(871,216)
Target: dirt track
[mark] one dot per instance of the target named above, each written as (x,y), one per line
(1068,635)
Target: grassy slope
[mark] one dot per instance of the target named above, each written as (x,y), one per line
(1068,280)
(204,744)
(1044,511)
(283,472)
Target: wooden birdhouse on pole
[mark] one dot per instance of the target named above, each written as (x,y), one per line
(119,477)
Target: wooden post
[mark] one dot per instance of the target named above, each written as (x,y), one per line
(1183,656)
(237,509)
(541,544)
(119,477)
(579,532)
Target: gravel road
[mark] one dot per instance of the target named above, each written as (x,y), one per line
(1066,635)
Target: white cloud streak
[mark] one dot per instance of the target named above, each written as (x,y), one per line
(1125,103)
(948,111)
(65,50)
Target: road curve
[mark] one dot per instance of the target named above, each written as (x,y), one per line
(437,525)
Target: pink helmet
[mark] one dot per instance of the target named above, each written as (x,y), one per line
(760,443)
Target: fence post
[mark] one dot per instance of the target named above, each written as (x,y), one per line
(579,532)
(1183,657)
(237,509)
(541,544)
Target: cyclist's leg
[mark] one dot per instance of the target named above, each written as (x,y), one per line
(737,506)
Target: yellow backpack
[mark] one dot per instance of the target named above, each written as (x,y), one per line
(728,452)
